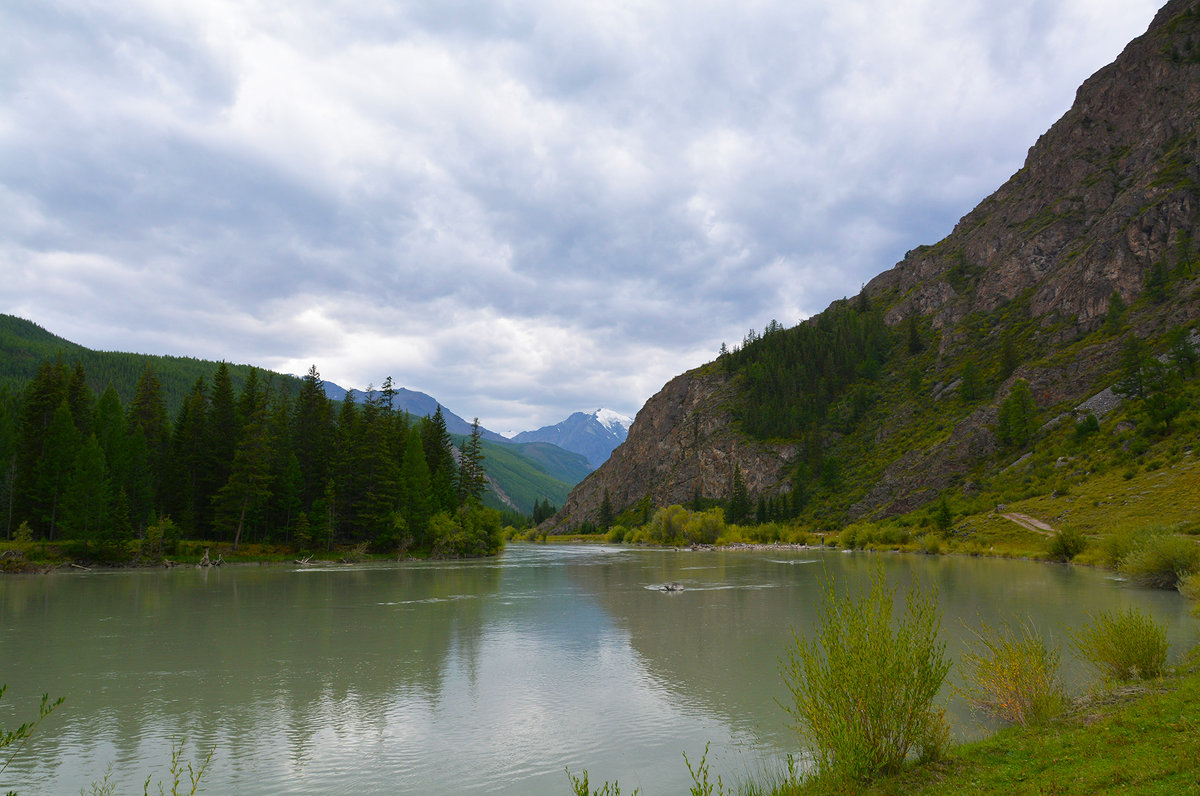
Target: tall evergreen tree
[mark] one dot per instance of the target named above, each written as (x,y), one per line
(55,467)
(85,500)
(249,479)
(472,480)
(312,436)
(739,497)
(416,506)
(186,472)
(442,474)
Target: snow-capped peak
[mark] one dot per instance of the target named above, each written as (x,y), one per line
(612,420)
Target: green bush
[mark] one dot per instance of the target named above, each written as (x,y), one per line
(1067,543)
(1121,646)
(1161,560)
(862,690)
(1013,676)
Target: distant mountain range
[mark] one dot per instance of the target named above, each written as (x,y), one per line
(595,435)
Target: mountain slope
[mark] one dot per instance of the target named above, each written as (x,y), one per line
(524,474)
(879,404)
(418,404)
(24,346)
(593,434)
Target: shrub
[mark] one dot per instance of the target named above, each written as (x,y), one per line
(1161,560)
(1122,646)
(1115,546)
(704,527)
(863,689)
(1190,586)
(1013,676)
(1067,543)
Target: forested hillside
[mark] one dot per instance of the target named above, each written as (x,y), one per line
(24,346)
(1069,298)
(235,466)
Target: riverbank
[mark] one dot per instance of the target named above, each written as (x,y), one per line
(49,557)
(1141,739)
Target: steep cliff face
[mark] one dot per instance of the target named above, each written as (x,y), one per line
(1109,190)
(1110,193)
(684,439)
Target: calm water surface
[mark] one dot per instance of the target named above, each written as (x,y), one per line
(463,678)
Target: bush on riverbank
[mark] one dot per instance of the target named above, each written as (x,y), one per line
(1012,675)
(1123,645)
(863,689)
(1161,561)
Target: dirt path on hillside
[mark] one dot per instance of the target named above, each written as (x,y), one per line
(1029,523)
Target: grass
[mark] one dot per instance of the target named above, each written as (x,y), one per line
(1142,740)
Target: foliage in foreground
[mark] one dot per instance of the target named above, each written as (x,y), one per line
(1123,645)
(1012,675)
(863,689)
(106,787)
(20,736)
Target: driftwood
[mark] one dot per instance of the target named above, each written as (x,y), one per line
(210,562)
(304,562)
(81,566)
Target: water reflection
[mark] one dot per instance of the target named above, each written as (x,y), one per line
(475,677)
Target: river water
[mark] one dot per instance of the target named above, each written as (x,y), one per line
(466,677)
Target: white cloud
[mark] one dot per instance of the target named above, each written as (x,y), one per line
(523,209)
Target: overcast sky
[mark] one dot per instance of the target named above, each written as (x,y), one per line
(524,208)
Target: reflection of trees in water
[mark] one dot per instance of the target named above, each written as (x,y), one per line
(231,655)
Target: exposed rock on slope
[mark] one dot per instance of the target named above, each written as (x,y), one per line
(1108,191)
(1107,196)
(682,440)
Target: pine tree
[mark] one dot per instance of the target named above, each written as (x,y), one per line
(605,519)
(54,470)
(312,436)
(442,475)
(1015,424)
(249,479)
(472,480)
(416,500)
(739,498)
(148,413)
(84,501)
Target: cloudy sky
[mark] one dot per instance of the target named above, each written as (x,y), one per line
(523,207)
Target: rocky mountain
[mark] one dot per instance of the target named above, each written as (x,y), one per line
(1091,243)
(595,435)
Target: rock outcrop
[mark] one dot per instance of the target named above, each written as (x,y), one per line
(683,440)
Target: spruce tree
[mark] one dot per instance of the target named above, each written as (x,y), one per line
(249,481)
(472,480)
(416,506)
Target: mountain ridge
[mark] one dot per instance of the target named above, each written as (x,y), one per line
(1091,242)
(593,434)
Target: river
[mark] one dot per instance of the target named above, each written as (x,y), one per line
(475,677)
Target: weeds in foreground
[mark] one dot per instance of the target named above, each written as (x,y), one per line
(106,787)
(1123,645)
(581,787)
(863,689)
(1012,675)
(20,736)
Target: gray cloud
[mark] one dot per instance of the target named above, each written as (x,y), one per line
(522,208)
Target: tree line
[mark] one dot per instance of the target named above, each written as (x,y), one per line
(263,464)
